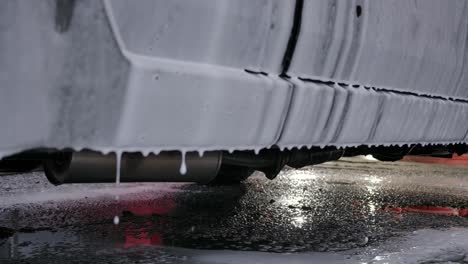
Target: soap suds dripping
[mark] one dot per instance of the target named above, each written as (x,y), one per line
(183,166)
(257,151)
(201,153)
(118,157)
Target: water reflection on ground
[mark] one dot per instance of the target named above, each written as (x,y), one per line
(347,206)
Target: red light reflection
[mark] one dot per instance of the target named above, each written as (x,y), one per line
(141,236)
(435,210)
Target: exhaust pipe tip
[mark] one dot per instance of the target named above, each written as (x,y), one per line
(56,166)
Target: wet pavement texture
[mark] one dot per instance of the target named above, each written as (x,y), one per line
(353,211)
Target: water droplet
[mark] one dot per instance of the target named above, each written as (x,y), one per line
(116,220)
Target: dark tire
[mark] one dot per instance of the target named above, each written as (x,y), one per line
(230,175)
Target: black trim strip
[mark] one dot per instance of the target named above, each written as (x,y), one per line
(63,14)
(295,30)
(256,72)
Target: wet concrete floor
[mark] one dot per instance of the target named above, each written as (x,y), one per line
(350,211)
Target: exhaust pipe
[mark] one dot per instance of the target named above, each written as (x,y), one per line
(94,167)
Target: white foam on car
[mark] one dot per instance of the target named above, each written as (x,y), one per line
(112,83)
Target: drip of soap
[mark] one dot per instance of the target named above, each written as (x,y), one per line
(183,166)
(117,167)
(118,155)
(201,153)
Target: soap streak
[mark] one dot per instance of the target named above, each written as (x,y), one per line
(183,166)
